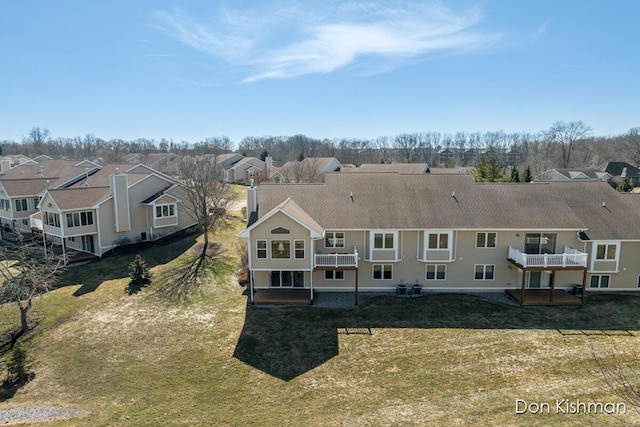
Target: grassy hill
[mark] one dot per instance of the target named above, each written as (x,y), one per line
(442,359)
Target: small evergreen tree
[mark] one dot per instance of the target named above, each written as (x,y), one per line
(301,156)
(139,271)
(527,174)
(515,175)
(624,186)
(264,155)
(16,365)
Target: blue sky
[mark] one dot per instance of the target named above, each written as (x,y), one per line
(192,69)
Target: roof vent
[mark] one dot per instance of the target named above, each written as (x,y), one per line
(604,205)
(351,195)
(117,171)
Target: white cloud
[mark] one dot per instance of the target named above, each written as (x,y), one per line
(289,41)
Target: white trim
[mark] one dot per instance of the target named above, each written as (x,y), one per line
(594,254)
(484,273)
(426,249)
(372,248)
(373,269)
(486,239)
(435,278)
(266,248)
(247,231)
(344,240)
(304,248)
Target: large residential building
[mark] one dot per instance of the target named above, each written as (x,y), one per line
(84,207)
(375,231)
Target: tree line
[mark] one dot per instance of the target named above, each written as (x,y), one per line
(562,145)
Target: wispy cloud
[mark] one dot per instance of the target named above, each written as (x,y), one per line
(289,41)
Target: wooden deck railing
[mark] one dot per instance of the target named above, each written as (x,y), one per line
(569,258)
(337,260)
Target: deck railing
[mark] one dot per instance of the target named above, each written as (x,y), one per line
(569,258)
(337,260)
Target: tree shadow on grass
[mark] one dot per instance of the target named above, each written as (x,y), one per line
(116,265)
(190,273)
(286,342)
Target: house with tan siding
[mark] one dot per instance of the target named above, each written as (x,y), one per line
(371,232)
(22,187)
(117,205)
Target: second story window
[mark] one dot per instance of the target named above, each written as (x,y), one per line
(280,249)
(21,205)
(486,240)
(163,211)
(439,241)
(334,239)
(383,240)
(52,219)
(5,204)
(77,219)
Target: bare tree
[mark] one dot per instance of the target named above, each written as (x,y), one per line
(38,138)
(207,200)
(25,276)
(406,145)
(631,144)
(567,135)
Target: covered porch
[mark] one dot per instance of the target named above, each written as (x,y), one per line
(544,297)
(570,260)
(272,296)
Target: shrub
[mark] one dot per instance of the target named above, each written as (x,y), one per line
(139,271)
(16,365)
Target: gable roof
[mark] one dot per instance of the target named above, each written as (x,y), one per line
(293,211)
(24,187)
(617,168)
(78,198)
(57,172)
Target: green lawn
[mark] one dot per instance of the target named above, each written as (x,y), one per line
(442,359)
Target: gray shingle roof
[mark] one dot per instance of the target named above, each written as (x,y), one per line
(396,201)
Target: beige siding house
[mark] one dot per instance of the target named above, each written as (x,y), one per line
(118,205)
(22,187)
(374,232)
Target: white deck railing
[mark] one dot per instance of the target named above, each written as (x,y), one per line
(337,260)
(569,258)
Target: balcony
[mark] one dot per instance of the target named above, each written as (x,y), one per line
(337,261)
(570,258)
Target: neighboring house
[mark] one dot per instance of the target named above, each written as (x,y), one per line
(310,169)
(244,170)
(117,205)
(372,232)
(575,175)
(621,170)
(390,167)
(21,187)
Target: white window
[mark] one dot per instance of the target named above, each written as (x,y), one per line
(5,204)
(261,249)
(280,230)
(606,251)
(334,239)
(436,272)
(299,249)
(333,275)
(382,272)
(21,205)
(281,249)
(486,240)
(484,272)
(77,219)
(438,241)
(52,219)
(384,240)
(600,281)
(163,211)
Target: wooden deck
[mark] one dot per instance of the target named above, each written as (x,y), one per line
(282,296)
(544,297)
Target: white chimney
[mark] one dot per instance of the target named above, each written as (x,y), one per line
(269,166)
